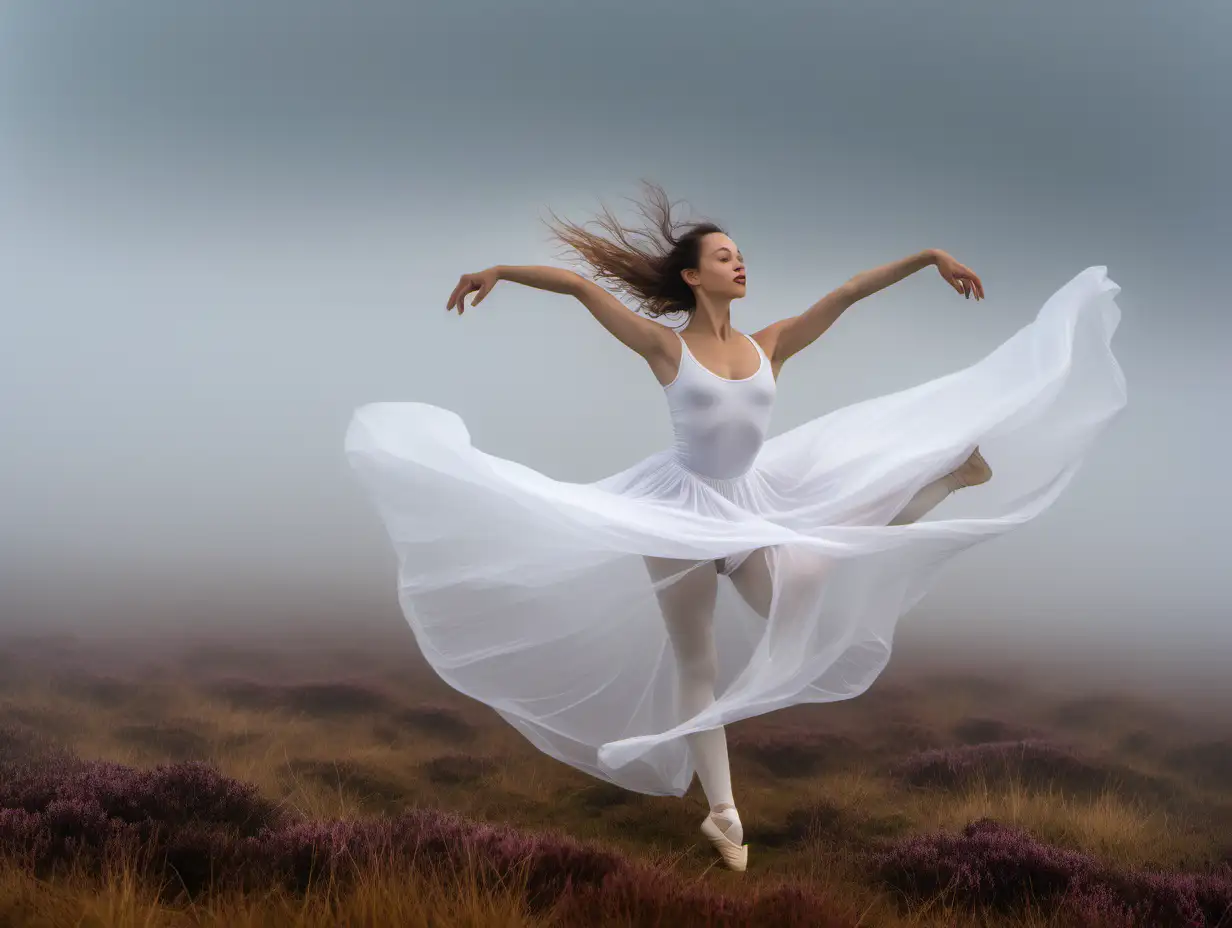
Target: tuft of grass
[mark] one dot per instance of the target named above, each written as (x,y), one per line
(338,767)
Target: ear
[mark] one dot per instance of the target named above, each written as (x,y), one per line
(689,275)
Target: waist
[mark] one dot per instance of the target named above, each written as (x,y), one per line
(718,455)
(703,470)
(743,490)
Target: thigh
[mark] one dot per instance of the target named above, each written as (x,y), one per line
(754,581)
(754,578)
(687,601)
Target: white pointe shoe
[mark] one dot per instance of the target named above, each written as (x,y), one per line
(971,472)
(735,856)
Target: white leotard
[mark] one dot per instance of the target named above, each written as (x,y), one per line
(719,424)
(573,609)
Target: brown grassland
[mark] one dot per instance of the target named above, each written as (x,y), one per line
(1088,809)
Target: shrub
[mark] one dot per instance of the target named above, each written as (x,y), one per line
(1002,867)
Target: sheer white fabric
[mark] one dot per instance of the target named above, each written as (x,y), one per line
(541,598)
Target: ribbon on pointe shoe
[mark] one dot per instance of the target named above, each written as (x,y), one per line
(735,856)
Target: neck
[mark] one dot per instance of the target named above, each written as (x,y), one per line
(712,315)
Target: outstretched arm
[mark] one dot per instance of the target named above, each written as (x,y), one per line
(784,338)
(649,339)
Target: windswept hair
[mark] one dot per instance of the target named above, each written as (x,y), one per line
(649,274)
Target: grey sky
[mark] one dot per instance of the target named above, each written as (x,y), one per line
(225,225)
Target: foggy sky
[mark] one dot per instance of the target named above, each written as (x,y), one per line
(224,226)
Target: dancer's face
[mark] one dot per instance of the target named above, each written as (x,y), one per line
(720,264)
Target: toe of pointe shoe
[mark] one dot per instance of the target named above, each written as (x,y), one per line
(735,856)
(983,471)
(973,472)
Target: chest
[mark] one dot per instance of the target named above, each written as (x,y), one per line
(713,397)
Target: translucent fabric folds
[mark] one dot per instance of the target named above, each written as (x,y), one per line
(533,595)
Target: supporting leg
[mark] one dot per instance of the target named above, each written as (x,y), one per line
(688,609)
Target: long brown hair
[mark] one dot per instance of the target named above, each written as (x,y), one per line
(650,275)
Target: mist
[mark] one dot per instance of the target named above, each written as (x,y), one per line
(225,226)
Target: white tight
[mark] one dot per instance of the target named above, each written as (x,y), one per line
(926,499)
(688,610)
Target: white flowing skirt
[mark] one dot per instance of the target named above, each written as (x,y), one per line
(532,595)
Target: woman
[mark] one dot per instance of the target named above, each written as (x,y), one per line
(592,617)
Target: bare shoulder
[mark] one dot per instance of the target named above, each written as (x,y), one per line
(665,362)
(768,339)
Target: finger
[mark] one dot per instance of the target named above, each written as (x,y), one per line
(980,286)
(455,301)
(452,296)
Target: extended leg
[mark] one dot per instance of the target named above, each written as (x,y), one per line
(973,471)
(754,578)
(688,609)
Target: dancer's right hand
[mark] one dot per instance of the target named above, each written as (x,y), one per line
(483,281)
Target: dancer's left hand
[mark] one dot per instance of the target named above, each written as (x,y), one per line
(959,276)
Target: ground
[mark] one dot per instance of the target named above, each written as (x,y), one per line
(937,798)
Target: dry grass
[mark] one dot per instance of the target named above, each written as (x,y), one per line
(815,784)
(381,898)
